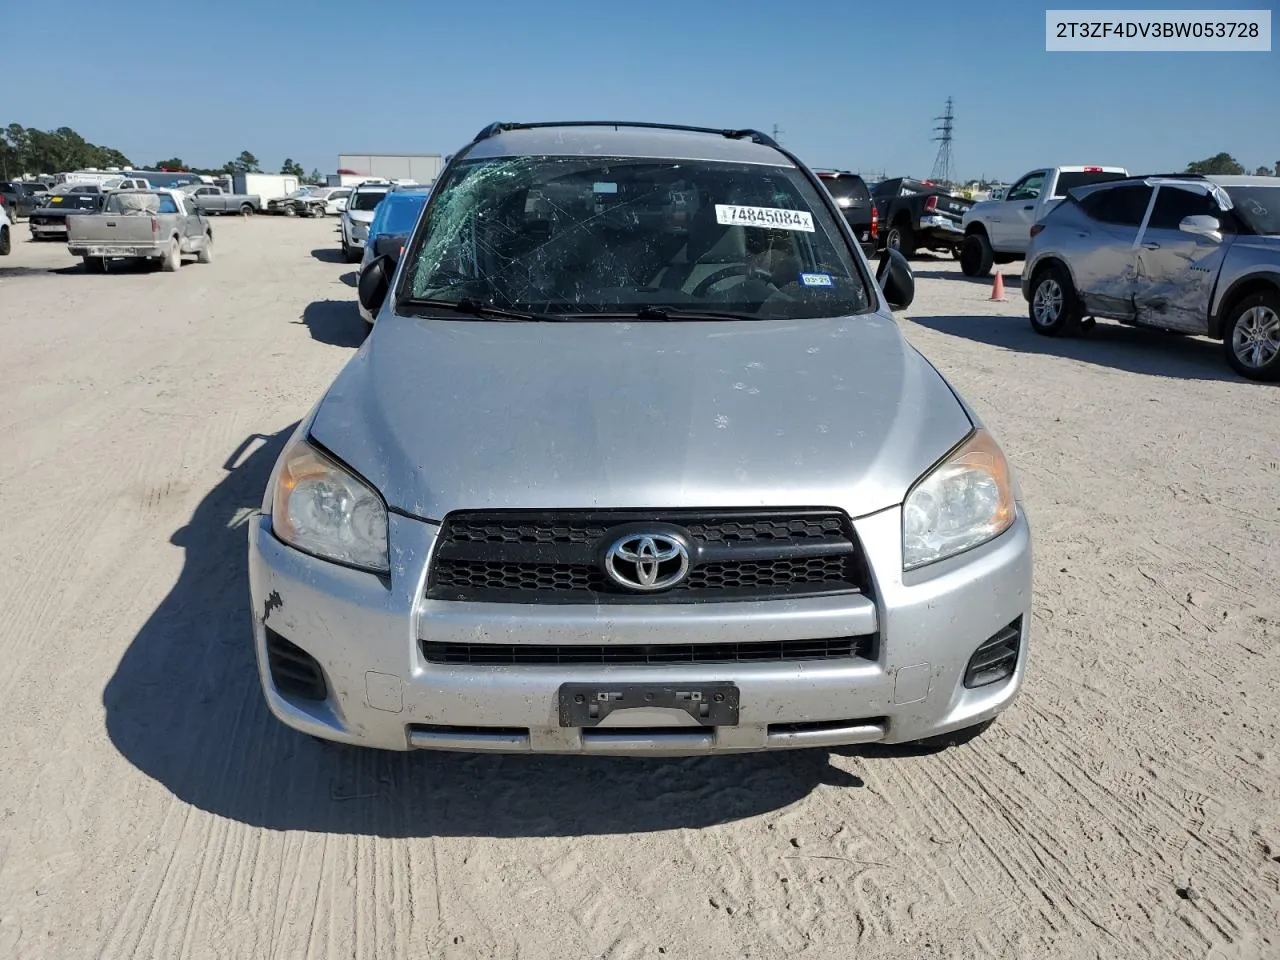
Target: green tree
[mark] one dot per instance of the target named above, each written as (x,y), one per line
(245,163)
(1222,163)
(315,176)
(52,151)
(1262,172)
(173,163)
(292,168)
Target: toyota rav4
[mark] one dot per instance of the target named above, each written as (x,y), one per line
(637,461)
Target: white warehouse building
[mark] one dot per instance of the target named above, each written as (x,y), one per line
(422,167)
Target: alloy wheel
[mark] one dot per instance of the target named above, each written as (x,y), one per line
(1256,337)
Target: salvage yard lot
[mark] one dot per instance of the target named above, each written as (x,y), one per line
(1127,805)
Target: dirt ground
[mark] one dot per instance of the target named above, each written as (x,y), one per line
(1128,805)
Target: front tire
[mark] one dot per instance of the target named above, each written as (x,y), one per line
(1252,338)
(6,242)
(290,210)
(901,238)
(976,255)
(1054,309)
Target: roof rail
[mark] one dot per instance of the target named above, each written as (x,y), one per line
(755,136)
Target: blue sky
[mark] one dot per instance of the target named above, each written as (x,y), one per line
(850,84)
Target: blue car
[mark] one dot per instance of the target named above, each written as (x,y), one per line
(393,221)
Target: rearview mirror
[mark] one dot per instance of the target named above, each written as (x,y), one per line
(1202,225)
(896,280)
(374,282)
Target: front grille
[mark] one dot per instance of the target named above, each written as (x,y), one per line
(519,557)
(510,654)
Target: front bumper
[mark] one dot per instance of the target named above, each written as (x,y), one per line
(364,633)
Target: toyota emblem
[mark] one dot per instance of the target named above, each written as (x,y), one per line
(647,561)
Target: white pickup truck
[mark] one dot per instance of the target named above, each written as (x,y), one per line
(999,231)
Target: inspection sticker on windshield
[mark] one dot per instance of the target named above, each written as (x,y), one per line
(816,280)
(769,217)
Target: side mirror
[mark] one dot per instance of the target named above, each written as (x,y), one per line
(374,282)
(1202,225)
(896,280)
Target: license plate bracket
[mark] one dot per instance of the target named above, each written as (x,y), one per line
(712,704)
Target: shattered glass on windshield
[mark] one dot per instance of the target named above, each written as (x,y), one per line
(585,235)
(1259,207)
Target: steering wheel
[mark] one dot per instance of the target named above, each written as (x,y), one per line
(734,270)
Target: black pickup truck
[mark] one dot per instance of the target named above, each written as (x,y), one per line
(851,195)
(919,215)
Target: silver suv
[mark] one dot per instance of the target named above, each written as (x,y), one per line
(637,461)
(1184,253)
(358,214)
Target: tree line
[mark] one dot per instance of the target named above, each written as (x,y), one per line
(246,162)
(28,151)
(1224,164)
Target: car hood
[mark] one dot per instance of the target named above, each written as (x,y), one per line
(1268,243)
(981,207)
(442,415)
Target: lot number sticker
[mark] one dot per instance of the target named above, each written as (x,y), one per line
(774,218)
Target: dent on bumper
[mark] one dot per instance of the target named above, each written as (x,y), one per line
(365,633)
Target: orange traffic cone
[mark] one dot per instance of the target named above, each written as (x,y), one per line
(997,288)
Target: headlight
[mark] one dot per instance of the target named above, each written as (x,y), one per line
(320,507)
(965,500)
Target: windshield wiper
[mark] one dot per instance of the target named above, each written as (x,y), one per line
(475,308)
(663,314)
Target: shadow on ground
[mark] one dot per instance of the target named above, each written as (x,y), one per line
(78,268)
(185,708)
(7,272)
(1114,345)
(350,279)
(329,255)
(336,322)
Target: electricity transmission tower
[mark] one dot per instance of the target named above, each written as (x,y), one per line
(942,163)
(777,132)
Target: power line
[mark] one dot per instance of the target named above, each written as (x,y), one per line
(942,163)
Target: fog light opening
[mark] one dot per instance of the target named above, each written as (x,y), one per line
(294,672)
(996,659)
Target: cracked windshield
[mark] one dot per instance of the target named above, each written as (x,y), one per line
(577,236)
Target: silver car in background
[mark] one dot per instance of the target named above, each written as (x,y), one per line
(358,214)
(637,461)
(1190,254)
